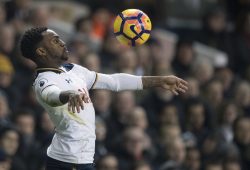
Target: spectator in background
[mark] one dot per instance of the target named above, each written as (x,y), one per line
(227,115)
(127,61)
(242,139)
(203,71)
(102,103)
(134,148)
(30,149)
(144,65)
(7,41)
(2,14)
(231,165)
(107,162)
(9,143)
(6,78)
(5,162)
(242,96)
(39,16)
(195,120)
(101,134)
(193,159)
(46,131)
(213,165)
(214,32)
(168,133)
(183,58)
(141,165)
(175,153)
(4,110)
(242,45)
(92,62)
(214,96)
(138,118)
(124,103)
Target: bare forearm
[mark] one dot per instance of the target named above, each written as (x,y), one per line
(151,81)
(64,96)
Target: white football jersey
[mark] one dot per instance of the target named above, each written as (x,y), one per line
(74,139)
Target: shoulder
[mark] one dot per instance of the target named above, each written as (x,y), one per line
(74,67)
(44,79)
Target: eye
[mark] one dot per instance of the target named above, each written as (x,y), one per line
(56,40)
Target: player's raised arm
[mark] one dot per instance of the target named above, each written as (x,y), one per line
(171,83)
(122,81)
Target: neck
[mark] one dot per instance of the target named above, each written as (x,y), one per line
(49,65)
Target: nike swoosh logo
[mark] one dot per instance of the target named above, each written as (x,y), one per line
(132,28)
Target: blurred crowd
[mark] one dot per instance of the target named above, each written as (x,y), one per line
(208,128)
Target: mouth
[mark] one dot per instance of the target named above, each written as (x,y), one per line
(66,50)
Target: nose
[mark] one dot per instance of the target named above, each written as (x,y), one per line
(62,43)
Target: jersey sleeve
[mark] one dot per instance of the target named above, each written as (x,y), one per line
(47,90)
(88,76)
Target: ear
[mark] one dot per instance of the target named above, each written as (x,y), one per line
(41,51)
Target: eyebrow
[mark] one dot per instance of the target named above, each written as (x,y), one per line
(55,36)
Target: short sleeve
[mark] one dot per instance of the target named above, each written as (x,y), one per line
(88,76)
(42,83)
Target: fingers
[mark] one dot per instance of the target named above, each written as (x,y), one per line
(75,102)
(182,88)
(182,85)
(175,92)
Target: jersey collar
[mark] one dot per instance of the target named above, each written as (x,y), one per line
(56,70)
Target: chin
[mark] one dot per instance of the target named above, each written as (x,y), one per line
(65,57)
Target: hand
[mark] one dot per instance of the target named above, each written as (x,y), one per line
(75,101)
(174,84)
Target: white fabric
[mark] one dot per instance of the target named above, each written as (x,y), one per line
(118,82)
(51,94)
(74,140)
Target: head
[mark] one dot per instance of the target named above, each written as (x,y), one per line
(196,114)
(169,132)
(215,20)
(242,94)
(141,165)
(7,41)
(2,14)
(4,107)
(101,129)
(25,122)
(134,141)
(107,162)
(193,159)
(213,165)
(9,140)
(176,151)
(242,130)
(185,52)
(169,115)
(92,62)
(127,61)
(138,118)
(231,165)
(5,161)
(46,123)
(44,47)
(203,70)
(6,71)
(124,104)
(101,100)
(214,92)
(210,144)
(194,87)
(228,113)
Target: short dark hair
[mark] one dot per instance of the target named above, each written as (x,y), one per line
(29,41)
